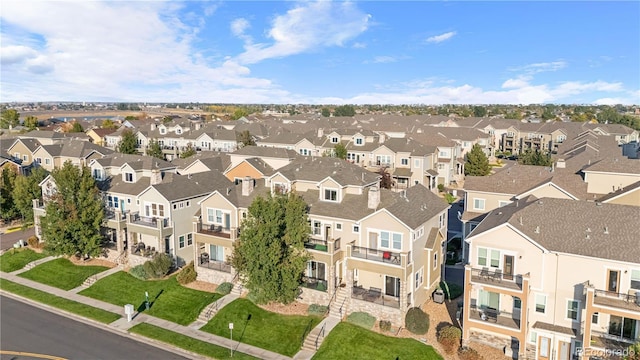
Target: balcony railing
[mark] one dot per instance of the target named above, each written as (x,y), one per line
(38,204)
(624,301)
(218,231)
(377,163)
(115,215)
(314,284)
(384,256)
(490,315)
(205,262)
(375,295)
(315,244)
(491,276)
(149,221)
(608,341)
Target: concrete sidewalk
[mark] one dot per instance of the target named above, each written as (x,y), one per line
(122,325)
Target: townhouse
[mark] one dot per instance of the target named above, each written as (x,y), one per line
(79,153)
(22,150)
(554,279)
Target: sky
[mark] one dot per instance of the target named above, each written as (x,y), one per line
(278,52)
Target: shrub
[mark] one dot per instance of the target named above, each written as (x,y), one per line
(33,241)
(316,309)
(159,266)
(253,297)
(441,187)
(449,337)
(187,274)
(467,353)
(321,286)
(451,291)
(449,198)
(417,321)
(138,272)
(385,325)
(362,319)
(224,288)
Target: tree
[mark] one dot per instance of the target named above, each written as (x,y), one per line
(270,253)
(189,151)
(31,122)
(340,151)
(536,157)
(479,111)
(9,118)
(477,163)
(74,213)
(8,210)
(385,178)
(246,139)
(633,352)
(238,113)
(326,112)
(167,119)
(109,124)
(27,188)
(128,142)
(76,128)
(344,110)
(154,149)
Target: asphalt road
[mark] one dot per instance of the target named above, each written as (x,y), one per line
(7,240)
(29,329)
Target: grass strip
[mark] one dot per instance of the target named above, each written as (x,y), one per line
(71,306)
(62,273)
(16,259)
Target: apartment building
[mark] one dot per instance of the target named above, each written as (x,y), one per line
(547,278)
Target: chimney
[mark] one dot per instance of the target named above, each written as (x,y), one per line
(382,137)
(198,125)
(561,164)
(373,198)
(153,126)
(156,177)
(247,186)
(320,132)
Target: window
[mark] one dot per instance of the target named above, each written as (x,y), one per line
(316,270)
(210,215)
(181,205)
(397,241)
(541,303)
(316,228)
(338,226)
(305,152)
(435,261)
(543,348)
(517,303)
(162,130)
(482,256)
(503,203)
(478,204)
(359,141)
(384,239)
(635,279)
(330,195)
(115,202)
(510,134)
(416,163)
(178,131)
(39,160)
(279,188)
(404,161)
(495,258)
(533,337)
(128,177)
(572,309)
(594,318)
(188,203)
(441,166)
(218,216)
(419,277)
(334,139)
(175,206)
(181,241)
(561,138)
(442,220)
(216,252)
(47,161)
(442,154)
(189,239)
(356,228)
(465,144)
(25,158)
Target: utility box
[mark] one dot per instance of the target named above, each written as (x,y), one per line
(128,310)
(438,296)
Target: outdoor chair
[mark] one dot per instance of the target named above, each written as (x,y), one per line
(484,273)
(497,275)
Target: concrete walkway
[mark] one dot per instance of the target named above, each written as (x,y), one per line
(97,277)
(123,326)
(211,310)
(33,264)
(318,333)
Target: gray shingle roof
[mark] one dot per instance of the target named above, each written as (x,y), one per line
(176,187)
(261,151)
(319,168)
(75,149)
(137,162)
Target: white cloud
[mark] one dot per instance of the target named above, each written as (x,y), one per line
(442,37)
(359,45)
(541,67)
(239,26)
(385,59)
(519,82)
(16,54)
(308,27)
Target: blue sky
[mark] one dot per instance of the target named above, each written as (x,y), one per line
(321,52)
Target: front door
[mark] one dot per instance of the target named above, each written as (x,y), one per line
(373,242)
(613,281)
(564,349)
(167,248)
(392,286)
(227,221)
(507,273)
(122,205)
(544,344)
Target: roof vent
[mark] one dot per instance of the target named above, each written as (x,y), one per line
(539,202)
(588,230)
(228,191)
(587,236)
(520,220)
(598,203)
(537,229)
(606,230)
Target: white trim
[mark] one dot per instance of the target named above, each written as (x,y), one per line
(484,204)
(550,183)
(578,311)
(323,194)
(546,303)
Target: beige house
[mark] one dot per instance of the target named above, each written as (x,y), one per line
(547,278)
(22,150)
(79,153)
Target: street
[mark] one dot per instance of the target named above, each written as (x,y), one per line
(7,240)
(31,330)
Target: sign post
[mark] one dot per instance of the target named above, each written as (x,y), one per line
(231,334)
(146,296)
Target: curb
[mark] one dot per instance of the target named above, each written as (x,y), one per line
(124,333)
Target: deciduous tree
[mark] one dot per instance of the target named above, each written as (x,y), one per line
(31,122)
(128,142)
(326,112)
(477,163)
(9,118)
(535,157)
(189,151)
(109,124)
(270,253)
(246,139)
(344,110)
(340,151)
(8,210)
(26,189)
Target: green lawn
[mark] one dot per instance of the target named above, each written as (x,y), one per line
(261,328)
(169,300)
(62,273)
(187,343)
(16,259)
(348,341)
(87,311)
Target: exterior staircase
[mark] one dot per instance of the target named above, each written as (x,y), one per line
(237,289)
(338,309)
(90,281)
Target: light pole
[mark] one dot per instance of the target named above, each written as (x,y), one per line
(146,296)
(231,337)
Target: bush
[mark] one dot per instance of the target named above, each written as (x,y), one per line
(449,337)
(253,297)
(467,353)
(451,291)
(224,288)
(187,274)
(417,321)
(449,198)
(316,309)
(159,266)
(385,325)
(33,242)
(362,319)
(441,187)
(138,272)
(321,286)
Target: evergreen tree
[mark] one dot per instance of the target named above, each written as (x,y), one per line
(477,163)
(128,142)
(74,213)
(9,118)
(76,128)
(385,178)
(325,112)
(246,139)
(8,210)
(344,110)
(536,157)
(154,149)
(270,253)
(31,122)
(26,189)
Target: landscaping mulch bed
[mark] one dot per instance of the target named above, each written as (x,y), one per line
(91,262)
(202,286)
(294,308)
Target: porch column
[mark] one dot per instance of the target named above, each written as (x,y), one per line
(403,296)
(466,332)
(586,340)
(132,239)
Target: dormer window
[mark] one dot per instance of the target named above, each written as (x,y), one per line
(163,130)
(334,139)
(128,177)
(330,195)
(178,131)
(359,141)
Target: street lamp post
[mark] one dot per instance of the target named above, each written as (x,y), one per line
(231,337)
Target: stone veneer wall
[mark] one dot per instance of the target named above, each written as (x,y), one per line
(498,342)
(135,260)
(110,255)
(213,276)
(310,296)
(381,312)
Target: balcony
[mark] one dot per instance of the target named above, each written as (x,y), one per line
(617,300)
(607,341)
(149,221)
(493,316)
(205,262)
(375,295)
(495,277)
(314,284)
(318,245)
(115,219)
(218,231)
(159,227)
(384,164)
(383,256)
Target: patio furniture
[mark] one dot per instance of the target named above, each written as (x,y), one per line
(497,275)
(484,273)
